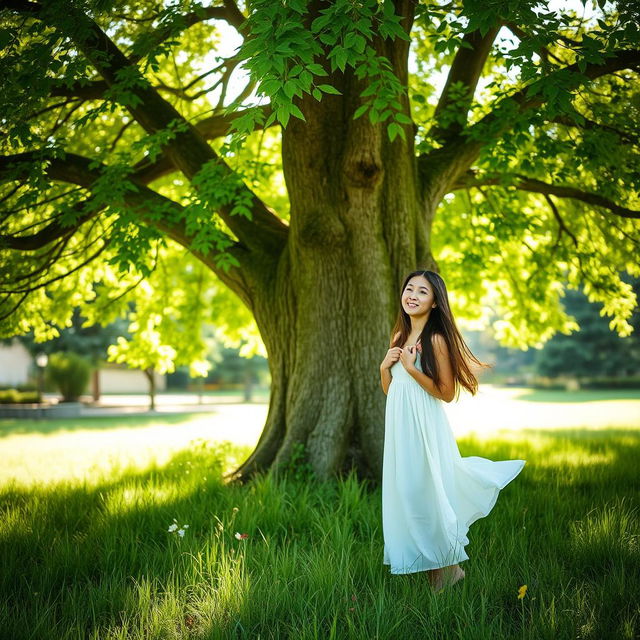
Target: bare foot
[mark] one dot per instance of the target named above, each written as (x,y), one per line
(435,579)
(445,577)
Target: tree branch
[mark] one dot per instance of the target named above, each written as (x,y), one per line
(229,13)
(441,168)
(40,285)
(145,202)
(627,59)
(210,128)
(537,186)
(589,125)
(90,90)
(451,112)
(187,150)
(45,236)
(523,36)
(96,89)
(561,224)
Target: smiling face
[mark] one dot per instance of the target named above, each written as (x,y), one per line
(418,297)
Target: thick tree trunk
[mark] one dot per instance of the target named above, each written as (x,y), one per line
(358,224)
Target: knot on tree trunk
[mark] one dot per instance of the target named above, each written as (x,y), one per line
(365,173)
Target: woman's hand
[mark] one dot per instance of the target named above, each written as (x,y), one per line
(391,358)
(408,358)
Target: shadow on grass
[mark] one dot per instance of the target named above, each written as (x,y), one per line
(99,561)
(9,427)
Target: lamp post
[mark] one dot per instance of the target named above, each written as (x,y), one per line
(41,360)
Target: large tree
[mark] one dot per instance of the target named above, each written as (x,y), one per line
(498,138)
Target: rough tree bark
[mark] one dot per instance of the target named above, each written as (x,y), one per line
(359,222)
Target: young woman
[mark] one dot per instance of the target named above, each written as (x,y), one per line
(430,494)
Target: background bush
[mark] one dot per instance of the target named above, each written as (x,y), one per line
(69,373)
(13,396)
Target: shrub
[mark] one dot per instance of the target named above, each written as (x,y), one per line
(623,382)
(69,373)
(13,396)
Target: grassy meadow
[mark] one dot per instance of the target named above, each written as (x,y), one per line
(160,547)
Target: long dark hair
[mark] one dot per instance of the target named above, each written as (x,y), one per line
(440,321)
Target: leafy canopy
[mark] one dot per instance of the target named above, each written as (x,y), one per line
(110,204)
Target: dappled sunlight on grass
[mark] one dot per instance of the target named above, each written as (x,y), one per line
(527,394)
(495,410)
(576,459)
(88,448)
(609,530)
(286,557)
(35,451)
(96,424)
(123,528)
(138,497)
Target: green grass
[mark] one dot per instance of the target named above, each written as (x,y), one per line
(94,560)
(582,395)
(9,427)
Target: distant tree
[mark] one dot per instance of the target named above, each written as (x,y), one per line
(505,361)
(233,368)
(594,351)
(91,342)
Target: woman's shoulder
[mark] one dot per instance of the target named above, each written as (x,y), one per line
(439,341)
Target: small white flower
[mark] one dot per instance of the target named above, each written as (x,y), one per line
(176,528)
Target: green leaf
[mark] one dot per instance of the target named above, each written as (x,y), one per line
(393,130)
(5,38)
(328,39)
(295,111)
(320,23)
(327,88)
(283,115)
(317,70)
(341,58)
(361,110)
(404,119)
(270,120)
(290,88)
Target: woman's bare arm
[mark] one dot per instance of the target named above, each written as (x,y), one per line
(447,388)
(385,373)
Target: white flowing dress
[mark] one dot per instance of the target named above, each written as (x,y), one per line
(430,493)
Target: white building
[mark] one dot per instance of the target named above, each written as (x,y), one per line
(17,368)
(16,365)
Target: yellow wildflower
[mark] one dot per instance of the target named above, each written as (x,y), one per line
(521,591)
